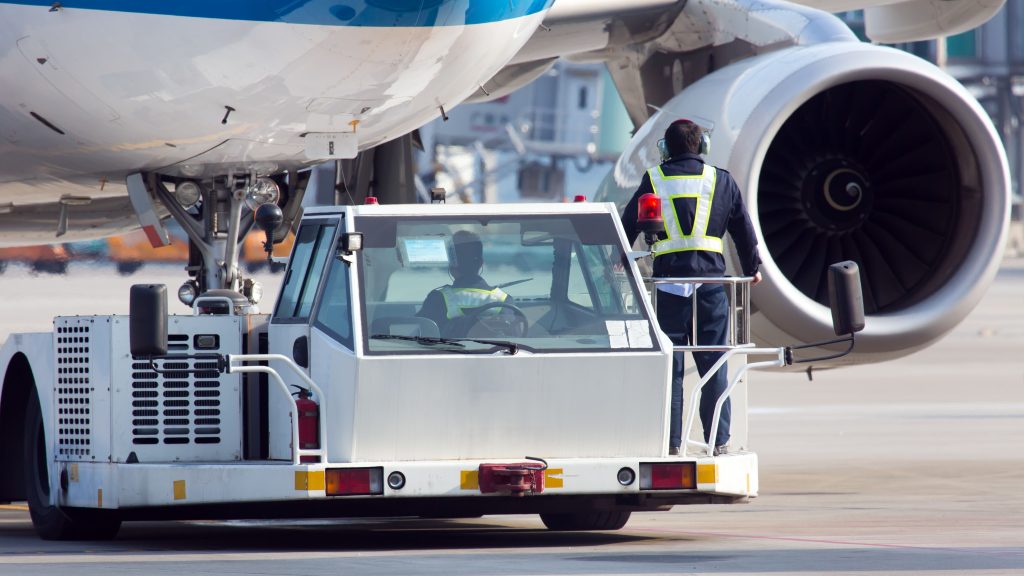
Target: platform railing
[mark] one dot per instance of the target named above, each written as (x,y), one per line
(738,292)
(737,344)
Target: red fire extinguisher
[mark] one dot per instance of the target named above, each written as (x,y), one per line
(309,421)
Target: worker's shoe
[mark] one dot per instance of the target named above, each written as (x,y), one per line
(720,450)
(674,451)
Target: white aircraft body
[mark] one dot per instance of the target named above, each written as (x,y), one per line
(110,110)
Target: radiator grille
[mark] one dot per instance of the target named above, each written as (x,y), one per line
(176,406)
(74,392)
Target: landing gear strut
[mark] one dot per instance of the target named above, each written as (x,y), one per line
(216,214)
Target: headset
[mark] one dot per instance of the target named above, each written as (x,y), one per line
(705,141)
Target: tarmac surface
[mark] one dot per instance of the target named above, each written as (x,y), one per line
(910,467)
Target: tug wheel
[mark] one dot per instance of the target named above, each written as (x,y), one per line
(591,520)
(52,522)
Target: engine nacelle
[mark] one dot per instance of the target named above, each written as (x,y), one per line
(848,151)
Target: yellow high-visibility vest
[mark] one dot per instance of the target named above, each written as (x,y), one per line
(699,186)
(456,300)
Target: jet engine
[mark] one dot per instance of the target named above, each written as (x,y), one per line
(848,151)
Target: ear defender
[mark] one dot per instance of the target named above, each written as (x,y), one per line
(663,150)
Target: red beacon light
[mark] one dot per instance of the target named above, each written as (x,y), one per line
(648,217)
(371,200)
(579,198)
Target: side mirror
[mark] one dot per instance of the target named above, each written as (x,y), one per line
(845,298)
(147,323)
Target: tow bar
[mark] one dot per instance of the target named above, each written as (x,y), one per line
(517,479)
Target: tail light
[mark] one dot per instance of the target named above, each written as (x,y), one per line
(354,481)
(675,476)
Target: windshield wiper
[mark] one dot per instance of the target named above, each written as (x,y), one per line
(457,342)
(512,347)
(425,340)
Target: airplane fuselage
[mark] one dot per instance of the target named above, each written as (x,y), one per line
(94,90)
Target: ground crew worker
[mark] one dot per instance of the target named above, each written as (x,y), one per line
(699,204)
(448,304)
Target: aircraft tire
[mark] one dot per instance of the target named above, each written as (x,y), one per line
(590,520)
(52,522)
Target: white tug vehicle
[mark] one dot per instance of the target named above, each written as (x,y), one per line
(344,402)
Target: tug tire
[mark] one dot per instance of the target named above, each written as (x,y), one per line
(592,520)
(52,522)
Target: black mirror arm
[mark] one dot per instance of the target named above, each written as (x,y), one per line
(789,350)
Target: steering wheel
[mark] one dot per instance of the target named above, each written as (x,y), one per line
(508,322)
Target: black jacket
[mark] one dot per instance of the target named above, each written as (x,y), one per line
(727,214)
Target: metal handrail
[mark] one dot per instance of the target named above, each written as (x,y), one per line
(779,361)
(739,310)
(297,450)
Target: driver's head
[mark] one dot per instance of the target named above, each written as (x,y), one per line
(469,254)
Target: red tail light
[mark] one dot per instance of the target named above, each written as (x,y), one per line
(675,476)
(354,481)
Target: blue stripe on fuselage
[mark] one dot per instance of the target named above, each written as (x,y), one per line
(382,13)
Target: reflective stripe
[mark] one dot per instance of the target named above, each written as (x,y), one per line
(456,300)
(699,186)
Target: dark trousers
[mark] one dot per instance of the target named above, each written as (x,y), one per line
(676,318)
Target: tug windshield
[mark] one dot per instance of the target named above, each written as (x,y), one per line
(475,284)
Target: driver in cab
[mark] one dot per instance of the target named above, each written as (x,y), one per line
(449,305)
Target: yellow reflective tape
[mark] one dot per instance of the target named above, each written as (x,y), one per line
(469,479)
(707,473)
(312,480)
(553,478)
(74,473)
(99,497)
(179,489)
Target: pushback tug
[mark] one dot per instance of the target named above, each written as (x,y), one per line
(344,402)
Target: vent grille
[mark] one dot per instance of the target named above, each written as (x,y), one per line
(176,406)
(74,393)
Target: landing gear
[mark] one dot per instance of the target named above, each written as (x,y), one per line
(216,214)
(50,521)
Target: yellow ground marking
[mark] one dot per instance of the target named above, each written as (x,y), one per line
(21,507)
(707,473)
(313,480)
(179,489)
